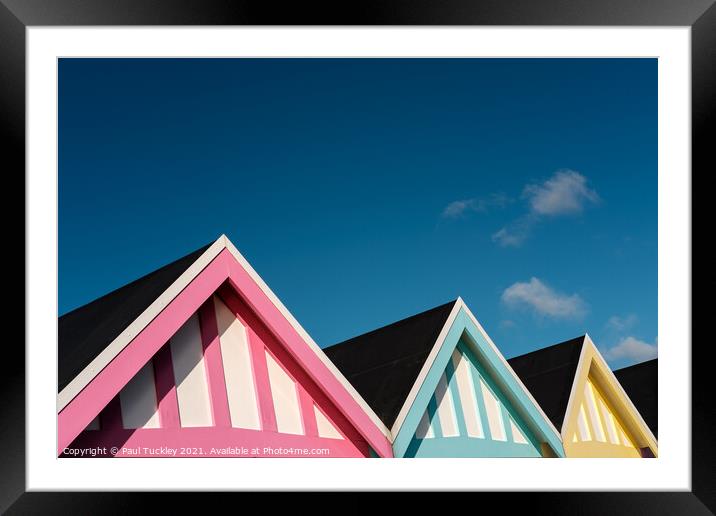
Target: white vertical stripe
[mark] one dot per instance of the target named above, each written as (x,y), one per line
(424,430)
(238,371)
(517,435)
(466,390)
(285,399)
(190,375)
(446,409)
(593,413)
(616,432)
(139,400)
(325,427)
(609,418)
(582,426)
(494,414)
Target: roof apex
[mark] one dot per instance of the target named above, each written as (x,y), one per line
(384,363)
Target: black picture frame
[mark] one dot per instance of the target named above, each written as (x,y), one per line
(700,15)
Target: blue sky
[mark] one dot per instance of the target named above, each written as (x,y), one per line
(366,190)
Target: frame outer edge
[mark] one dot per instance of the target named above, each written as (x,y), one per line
(12,382)
(703,116)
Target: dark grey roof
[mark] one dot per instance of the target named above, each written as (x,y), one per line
(86,331)
(383,364)
(640,382)
(548,374)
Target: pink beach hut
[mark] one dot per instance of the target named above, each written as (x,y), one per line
(200,358)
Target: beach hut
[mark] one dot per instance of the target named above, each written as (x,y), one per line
(584,399)
(200,358)
(443,388)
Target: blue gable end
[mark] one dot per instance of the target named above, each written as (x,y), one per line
(470,404)
(481,422)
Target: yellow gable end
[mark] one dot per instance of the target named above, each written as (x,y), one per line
(600,419)
(598,431)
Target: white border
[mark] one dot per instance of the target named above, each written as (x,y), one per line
(670,471)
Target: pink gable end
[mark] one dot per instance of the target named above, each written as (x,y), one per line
(231,380)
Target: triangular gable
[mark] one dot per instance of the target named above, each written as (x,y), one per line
(463,332)
(469,416)
(290,358)
(222,379)
(601,420)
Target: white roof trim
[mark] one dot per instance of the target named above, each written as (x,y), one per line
(612,378)
(573,391)
(117,345)
(408,403)
(509,368)
(80,381)
(395,429)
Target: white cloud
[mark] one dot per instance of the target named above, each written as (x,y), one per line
(462,207)
(621,324)
(564,193)
(506,238)
(544,300)
(458,208)
(516,233)
(631,348)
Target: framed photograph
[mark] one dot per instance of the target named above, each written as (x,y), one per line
(455,241)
